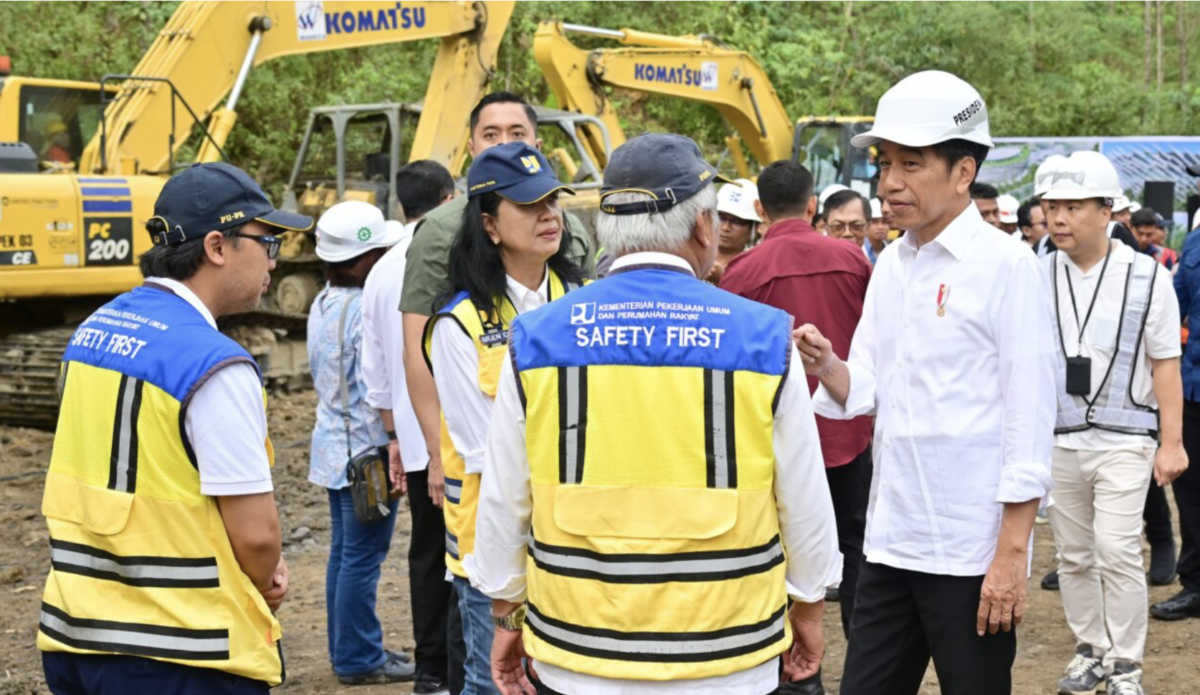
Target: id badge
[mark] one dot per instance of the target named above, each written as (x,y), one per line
(1079,376)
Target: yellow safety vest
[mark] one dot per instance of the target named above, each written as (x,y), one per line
(656,551)
(490,336)
(140,560)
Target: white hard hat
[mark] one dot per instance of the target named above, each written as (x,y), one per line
(1045,172)
(1121,202)
(1196,220)
(1084,175)
(927,108)
(739,200)
(1134,206)
(827,192)
(350,229)
(876,209)
(1008,208)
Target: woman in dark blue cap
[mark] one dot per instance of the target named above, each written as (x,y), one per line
(508,258)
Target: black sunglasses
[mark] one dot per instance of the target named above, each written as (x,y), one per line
(271,242)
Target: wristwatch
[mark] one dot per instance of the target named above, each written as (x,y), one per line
(511,622)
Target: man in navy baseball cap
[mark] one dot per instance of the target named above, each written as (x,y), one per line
(203,219)
(668,168)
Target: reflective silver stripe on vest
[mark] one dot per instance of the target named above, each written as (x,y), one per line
(719,435)
(167,572)
(1113,407)
(454,490)
(657,646)
(134,638)
(630,568)
(122,474)
(572,424)
(452,545)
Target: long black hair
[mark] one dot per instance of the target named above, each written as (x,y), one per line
(475,263)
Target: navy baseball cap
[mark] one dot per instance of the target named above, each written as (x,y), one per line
(516,172)
(668,167)
(213,197)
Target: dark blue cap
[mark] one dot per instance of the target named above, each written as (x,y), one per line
(667,167)
(214,197)
(516,172)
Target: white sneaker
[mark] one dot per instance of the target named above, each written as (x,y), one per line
(1126,679)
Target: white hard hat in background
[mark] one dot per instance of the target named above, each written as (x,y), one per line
(1121,202)
(828,191)
(1196,220)
(876,209)
(1084,175)
(1008,208)
(352,228)
(927,108)
(1134,206)
(1045,172)
(739,200)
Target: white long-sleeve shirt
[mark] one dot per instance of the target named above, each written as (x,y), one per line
(383,351)
(805,510)
(964,402)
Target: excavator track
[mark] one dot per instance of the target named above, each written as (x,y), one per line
(29,369)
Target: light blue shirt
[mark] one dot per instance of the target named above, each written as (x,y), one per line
(329,456)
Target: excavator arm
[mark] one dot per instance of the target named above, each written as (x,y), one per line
(207,50)
(685,67)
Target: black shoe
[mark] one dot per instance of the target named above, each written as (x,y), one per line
(429,685)
(392,671)
(1162,564)
(1050,581)
(808,686)
(1185,604)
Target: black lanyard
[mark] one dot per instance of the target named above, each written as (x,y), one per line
(1095,295)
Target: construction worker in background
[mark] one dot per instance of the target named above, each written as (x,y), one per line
(164,536)
(1149,227)
(987,199)
(1008,206)
(510,257)
(57,141)
(954,356)
(422,186)
(665,538)
(877,232)
(739,224)
(1122,210)
(1118,352)
(1042,181)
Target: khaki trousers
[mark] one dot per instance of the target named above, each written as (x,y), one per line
(1097,520)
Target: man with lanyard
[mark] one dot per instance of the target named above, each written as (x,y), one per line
(651,434)
(1118,328)
(1186,604)
(164,537)
(955,357)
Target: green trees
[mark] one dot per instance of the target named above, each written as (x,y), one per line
(1072,68)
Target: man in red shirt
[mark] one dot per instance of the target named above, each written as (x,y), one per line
(822,281)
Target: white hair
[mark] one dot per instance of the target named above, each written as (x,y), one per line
(661,231)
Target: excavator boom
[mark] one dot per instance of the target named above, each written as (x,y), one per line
(207,49)
(691,68)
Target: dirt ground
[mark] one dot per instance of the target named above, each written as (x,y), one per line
(1045,644)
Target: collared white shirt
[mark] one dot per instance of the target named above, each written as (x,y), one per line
(1160,337)
(226,421)
(964,402)
(1042,246)
(383,351)
(802,494)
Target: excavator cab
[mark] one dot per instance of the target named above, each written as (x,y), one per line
(56,118)
(822,144)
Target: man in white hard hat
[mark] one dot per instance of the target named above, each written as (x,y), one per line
(1008,213)
(739,224)
(955,358)
(1122,210)
(1120,388)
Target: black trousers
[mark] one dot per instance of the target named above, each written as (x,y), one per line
(430,593)
(902,618)
(1157,516)
(850,488)
(1187,499)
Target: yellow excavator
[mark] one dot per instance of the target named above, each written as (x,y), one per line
(81,162)
(700,69)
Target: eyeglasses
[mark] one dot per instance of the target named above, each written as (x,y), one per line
(839,227)
(733,221)
(271,242)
